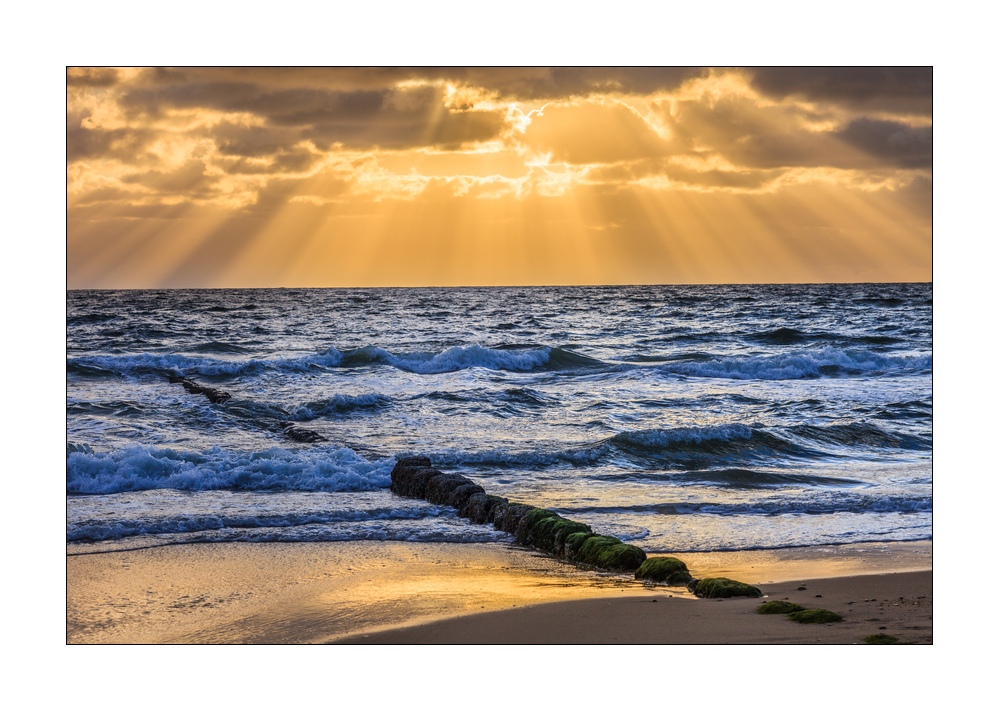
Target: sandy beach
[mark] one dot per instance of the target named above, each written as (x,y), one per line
(417,593)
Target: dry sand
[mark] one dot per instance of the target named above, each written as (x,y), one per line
(401,593)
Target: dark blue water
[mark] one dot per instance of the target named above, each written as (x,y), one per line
(681,418)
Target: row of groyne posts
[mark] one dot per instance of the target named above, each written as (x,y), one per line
(541,529)
(549,532)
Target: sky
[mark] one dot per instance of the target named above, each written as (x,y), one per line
(325,177)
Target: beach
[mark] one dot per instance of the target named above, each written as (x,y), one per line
(374,592)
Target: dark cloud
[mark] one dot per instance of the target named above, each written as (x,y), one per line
(752,137)
(281,162)
(566,82)
(83,143)
(897,89)
(898,143)
(525,83)
(772,137)
(91,76)
(101,196)
(386,118)
(234,139)
(189,180)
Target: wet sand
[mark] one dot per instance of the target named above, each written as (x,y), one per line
(400,593)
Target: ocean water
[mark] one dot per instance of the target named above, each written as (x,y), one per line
(677,418)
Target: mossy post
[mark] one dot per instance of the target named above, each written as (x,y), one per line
(814,617)
(478,507)
(610,553)
(664,571)
(722,587)
(778,607)
(532,526)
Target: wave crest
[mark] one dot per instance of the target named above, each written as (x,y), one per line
(140,468)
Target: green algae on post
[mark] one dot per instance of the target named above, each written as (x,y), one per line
(722,587)
(665,570)
(881,639)
(778,607)
(479,507)
(532,526)
(621,556)
(816,616)
(607,552)
(548,533)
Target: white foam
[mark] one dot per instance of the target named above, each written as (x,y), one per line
(138,468)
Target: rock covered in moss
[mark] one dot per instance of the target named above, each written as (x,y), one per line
(881,639)
(665,570)
(609,553)
(778,607)
(512,515)
(497,512)
(532,526)
(722,587)
(440,487)
(478,507)
(410,476)
(623,556)
(459,496)
(814,617)
(594,545)
(526,524)
(574,542)
(549,534)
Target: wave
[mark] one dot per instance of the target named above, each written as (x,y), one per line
(911,410)
(434,530)
(710,454)
(703,447)
(859,434)
(682,447)
(338,405)
(476,356)
(516,396)
(114,529)
(453,359)
(115,408)
(84,319)
(837,502)
(827,362)
(140,468)
(734,478)
(219,347)
(230,309)
(785,336)
(173,364)
(544,458)
(890,301)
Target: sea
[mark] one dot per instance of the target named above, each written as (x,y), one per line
(677,418)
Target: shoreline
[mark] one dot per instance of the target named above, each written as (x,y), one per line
(394,592)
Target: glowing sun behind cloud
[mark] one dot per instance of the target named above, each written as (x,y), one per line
(375,177)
